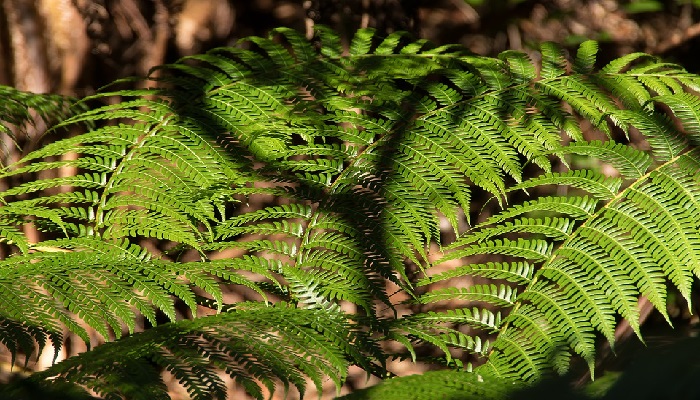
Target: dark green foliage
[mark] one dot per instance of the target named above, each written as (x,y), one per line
(674,364)
(448,385)
(356,159)
(254,344)
(18,110)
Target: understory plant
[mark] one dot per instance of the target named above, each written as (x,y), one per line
(282,210)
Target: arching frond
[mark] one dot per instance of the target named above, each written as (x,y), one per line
(260,347)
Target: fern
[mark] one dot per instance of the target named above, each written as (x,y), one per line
(20,110)
(254,343)
(356,159)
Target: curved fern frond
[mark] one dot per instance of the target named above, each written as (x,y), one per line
(630,247)
(259,347)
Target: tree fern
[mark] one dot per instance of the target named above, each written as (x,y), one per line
(356,159)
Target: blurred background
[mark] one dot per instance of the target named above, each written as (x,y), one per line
(74,47)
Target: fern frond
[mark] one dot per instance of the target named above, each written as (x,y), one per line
(597,184)
(100,283)
(631,163)
(516,272)
(555,228)
(684,107)
(646,235)
(534,249)
(255,344)
(20,110)
(564,313)
(451,384)
(665,139)
(475,317)
(443,338)
(502,295)
(585,57)
(23,338)
(554,61)
(533,346)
